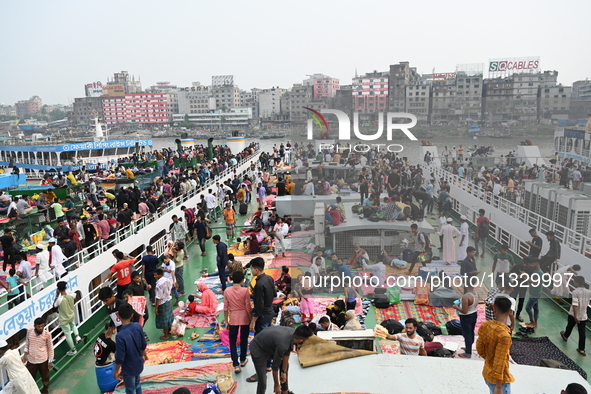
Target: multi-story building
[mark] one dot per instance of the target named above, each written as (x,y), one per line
(370,93)
(195,100)
(226,96)
(235,117)
(28,107)
(147,108)
(401,75)
(468,100)
(270,103)
(418,99)
(325,87)
(294,101)
(7,110)
(443,106)
(131,86)
(581,89)
(343,100)
(85,109)
(250,99)
(554,102)
(114,110)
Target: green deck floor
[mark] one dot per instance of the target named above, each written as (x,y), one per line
(79,376)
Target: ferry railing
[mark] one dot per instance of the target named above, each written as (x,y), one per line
(89,305)
(571,238)
(88,253)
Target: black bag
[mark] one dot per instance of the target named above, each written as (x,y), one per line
(381,298)
(424,332)
(373,218)
(355,208)
(454,327)
(441,353)
(436,330)
(368,211)
(407,255)
(243,209)
(393,326)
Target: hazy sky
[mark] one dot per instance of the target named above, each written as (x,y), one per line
(52,48)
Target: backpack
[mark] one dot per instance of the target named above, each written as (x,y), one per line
(484,228)
(355,208)
(454,327)
(425,236)
(436,330)
(441,353)
(381,298)
(424,332)
(393,326)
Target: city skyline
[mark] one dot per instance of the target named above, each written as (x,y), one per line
(67,44)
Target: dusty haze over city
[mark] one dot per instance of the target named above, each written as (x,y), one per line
(52,49)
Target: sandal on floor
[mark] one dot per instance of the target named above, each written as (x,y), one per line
(252,379)
(237,370)
(581,352)
(243,363)
(564,338)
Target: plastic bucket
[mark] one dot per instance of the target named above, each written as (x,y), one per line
(104,377)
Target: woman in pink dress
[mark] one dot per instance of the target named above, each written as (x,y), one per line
(209,302)
(237,315)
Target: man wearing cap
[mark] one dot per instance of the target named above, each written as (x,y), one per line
(462,254)
(449,233)
(20,380)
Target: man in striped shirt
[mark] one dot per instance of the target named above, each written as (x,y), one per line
(411,344)
(39,353)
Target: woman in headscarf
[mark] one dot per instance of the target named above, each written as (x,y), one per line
(352,321)
(253,245)
(209,302)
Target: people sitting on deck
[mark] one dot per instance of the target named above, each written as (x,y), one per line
(352,321)
(336,312)
(209,302)
(325,324)
(411,344)
(358,257)
(284,279)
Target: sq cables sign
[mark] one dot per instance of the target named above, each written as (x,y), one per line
(507,66)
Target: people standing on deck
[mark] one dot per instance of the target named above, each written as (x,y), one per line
(38,353)
(464,234)
(482,231)
(535,286)
(163,307)
(502,263)
(577,315)
(494,345)
(449,234)
(20,379)
(130,352)
(468,316)
(553,254)
(535,245)
(230,218)
(64,302)
(237,316)
(221,259)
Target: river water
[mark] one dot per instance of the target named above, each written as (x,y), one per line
(411,149)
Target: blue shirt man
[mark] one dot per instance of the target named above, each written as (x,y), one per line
(131,350)
(222,259)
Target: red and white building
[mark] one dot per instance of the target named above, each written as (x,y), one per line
(114,110)
(144,108)
(370,93)
(147,108)
(326,87)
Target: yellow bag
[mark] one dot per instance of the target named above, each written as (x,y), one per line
(225,383)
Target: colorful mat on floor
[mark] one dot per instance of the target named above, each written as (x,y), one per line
(292,259)
(481,291)
(320,304)
(389,347)
(183,376)
(197,320)
(193,388)
(215,349)
(268,257)
(213,282)
(480,309)
(530,351)
(407,309)
(275,273)
(168,352)
(449,269)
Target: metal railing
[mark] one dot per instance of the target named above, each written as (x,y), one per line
(89,305)
(574,240)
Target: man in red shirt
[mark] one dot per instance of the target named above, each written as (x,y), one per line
(123,268)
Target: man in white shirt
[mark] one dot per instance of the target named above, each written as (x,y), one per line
(577,315)
(211,203)
(57,259)
(464,236)
(309,190)
(42,265)
(163,307)
(25,271)
(363,161)
(497,188)
(298,165)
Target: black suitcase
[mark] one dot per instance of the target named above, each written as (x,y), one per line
(243,209)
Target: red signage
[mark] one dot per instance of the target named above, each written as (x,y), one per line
(444,75)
